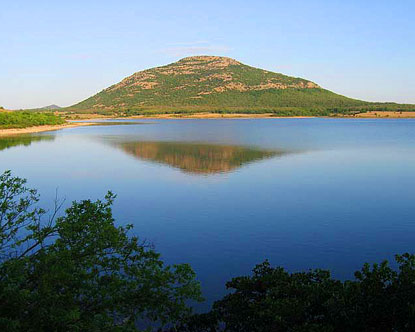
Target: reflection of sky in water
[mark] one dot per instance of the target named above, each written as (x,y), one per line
(286,134)
(345,199)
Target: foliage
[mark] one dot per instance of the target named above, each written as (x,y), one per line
(79,272)
(18,119)
(379,299)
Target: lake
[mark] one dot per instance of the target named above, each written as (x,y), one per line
(226,194)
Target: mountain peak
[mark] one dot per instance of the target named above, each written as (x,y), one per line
(218,60)
(206,82)
(51,107)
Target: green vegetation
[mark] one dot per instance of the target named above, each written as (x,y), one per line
(379,299)
(80,272)
(19,119)
(213,84)
(221,85)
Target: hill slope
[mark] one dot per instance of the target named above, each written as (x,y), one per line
(211,83)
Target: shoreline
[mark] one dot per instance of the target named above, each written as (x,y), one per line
(367,115)
(39,129)
(94,117)
(214,116)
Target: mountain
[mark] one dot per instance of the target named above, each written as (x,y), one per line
(211,83)
(50,107)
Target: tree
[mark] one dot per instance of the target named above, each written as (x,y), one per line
(379,299)
(80,272)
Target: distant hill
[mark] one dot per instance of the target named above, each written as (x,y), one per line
(211,83)
(50,107)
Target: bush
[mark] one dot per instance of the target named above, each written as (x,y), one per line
(379,299)
(80,272)
(19,119)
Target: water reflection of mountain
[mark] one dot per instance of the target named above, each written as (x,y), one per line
(196,158)
(26,140)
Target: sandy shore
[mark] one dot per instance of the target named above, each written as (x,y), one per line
(203,115)
(385,114)
(369,115)
(38,129)
(213,116)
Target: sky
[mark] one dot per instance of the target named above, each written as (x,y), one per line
(61,52)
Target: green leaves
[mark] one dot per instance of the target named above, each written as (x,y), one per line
(83,273)
(379,299)
(17,212)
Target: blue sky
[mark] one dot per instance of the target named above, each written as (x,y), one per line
(62,52)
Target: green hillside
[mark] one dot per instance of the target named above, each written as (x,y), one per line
(211,83)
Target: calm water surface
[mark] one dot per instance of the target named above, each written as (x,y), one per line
(224,195)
